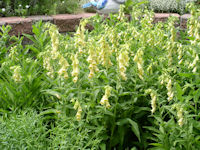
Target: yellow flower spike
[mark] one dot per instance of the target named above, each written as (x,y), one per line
(149,69)
(91,74)
(13,53)
(179,50)
(75,63)
(75,79)
(72,100)
(78,114)
(63,62)
(193,65)
(139,61)
(61,71)
(179,110)
(107,104)
(54,34)
(92,60)
(16,73)
(170,92)
(47,65)
(65,75)
(64,65)
(153,95)
(108,90)
(153,103)
(105,52)
(79,36)
(76,105)
(121,16)
(104,101)
(123,61)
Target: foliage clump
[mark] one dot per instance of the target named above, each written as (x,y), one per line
(169,5)
(37,7)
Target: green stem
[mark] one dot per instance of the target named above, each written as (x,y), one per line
(113,127)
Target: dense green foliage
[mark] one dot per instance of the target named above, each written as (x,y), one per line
(37,7)
(23,131)
(124,85)
(177,6)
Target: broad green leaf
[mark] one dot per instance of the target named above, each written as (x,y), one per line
(179,92)
(49,111)
(103,146)
(51,92)
(134,126)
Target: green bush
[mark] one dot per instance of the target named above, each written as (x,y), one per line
(37,7)
(169,5)
(23,131)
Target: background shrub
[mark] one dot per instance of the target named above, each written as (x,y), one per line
(37,7)
(169,5)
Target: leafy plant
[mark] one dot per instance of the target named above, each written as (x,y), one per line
(169,6)
(23,131)
(37,7)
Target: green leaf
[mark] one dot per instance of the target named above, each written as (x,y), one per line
(49,111)
(179,92)
(52,92)
(10,93)
(186,74)
(142,2)
(134,126)
(103,146)
(32,48)
(30,37)
(141,109)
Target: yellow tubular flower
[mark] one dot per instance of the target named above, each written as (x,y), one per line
(149,69)
(180,53)
(179,110)
(180,116)
(104,101)
(170,48)
(170,92)
(78,114)
(92,60)
(105,53)
(75,63)
(64,65)
(77,106)
(139,60)
(121,16)
(53,31)
(153,95)
(80,36)
(13,53)
(193,65)
(123,60)
(16,73)
(47,65)
(153,102)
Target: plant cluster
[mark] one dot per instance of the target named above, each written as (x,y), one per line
(170,5)
(124,85)
(37,7)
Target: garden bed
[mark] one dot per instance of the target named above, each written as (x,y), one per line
(126,84)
